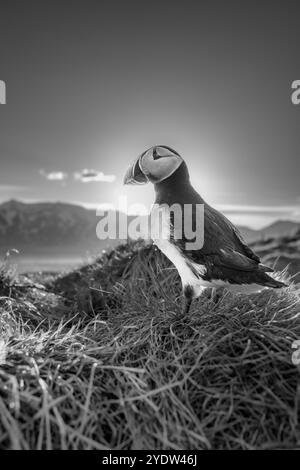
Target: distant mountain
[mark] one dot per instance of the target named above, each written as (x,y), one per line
(57,226)
(277,229)
(280,228)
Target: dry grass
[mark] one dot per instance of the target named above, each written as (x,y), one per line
(100,360)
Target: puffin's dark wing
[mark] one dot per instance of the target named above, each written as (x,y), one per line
(221,239)
(219,233)
(224,253)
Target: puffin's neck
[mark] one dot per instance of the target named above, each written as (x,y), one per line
(177,186)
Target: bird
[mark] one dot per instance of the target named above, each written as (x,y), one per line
(223,260)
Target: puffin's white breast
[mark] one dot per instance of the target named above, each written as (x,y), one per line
(161,232)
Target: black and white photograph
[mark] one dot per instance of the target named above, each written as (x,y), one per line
(149,228)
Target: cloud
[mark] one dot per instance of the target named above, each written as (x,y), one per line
(90,176)
(84,176)
(54,175)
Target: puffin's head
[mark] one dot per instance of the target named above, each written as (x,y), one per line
(154,165)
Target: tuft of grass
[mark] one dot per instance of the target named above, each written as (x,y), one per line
(100,359)
(7,273)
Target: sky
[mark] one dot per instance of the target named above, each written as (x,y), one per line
(90,85)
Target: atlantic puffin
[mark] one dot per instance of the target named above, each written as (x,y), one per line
(224,260)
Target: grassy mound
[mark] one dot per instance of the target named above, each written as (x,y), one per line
(98,359)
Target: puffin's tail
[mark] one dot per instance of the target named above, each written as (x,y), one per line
(270,282)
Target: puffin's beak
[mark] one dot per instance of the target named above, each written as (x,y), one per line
(134,174)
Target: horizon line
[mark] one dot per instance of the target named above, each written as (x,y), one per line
(236,212)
